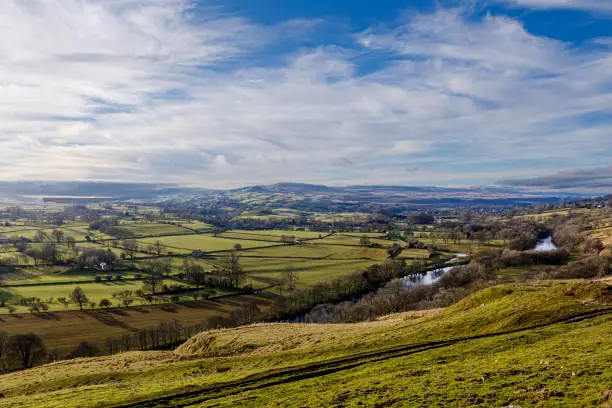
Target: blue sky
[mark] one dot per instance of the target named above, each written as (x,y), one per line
(229,93)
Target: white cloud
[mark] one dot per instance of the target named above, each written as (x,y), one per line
(152,90)
(220,160)
(597,5)
(410,146)
(447,35)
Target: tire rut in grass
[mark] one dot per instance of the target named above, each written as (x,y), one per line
(283,376)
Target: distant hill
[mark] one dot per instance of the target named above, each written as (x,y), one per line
(289,188)
(403,195)
(430,195)
(102,189)
(303,188)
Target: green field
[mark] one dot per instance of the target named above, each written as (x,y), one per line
(239,235)
(136,229)
(95,292)
(16,228)
(320,257)
(320,251)
(309,272)
(263,257)
(207,243)
(280,233)
(77,230)
(59,275)
(194,225)
(355,240)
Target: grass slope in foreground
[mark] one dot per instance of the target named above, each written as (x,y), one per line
(540,344)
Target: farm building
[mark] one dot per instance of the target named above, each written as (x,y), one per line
(104,267)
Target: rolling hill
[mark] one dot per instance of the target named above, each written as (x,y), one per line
(546,343)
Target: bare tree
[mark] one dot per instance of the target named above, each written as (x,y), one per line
(233,270)
(26,349)
(131,247)
(50,252)
(79,297)
(85,349)
(71,242)
(158,247)
(165,265)
(58,235)
(41,236)
(394,251)
(289,279)
(153,279)
(4,337)
(35,254)
(160,266)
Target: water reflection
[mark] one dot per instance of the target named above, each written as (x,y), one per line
(545,244)
(427,278)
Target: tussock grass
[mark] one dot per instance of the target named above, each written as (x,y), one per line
(557,364)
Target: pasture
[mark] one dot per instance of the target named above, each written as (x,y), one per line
(186,244)
(49,292)
(139,229)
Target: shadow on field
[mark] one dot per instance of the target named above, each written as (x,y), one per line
(118,312)
(110,320)
(122,282)
(169,308)
(207,305)
(48,316)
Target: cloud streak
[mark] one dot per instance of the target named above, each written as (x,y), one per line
(595,178)
(162,90)
(596,5)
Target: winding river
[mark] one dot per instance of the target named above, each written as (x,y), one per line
(433,276)
(545,244)
(429,277)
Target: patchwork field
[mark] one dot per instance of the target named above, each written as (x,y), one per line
(264,256)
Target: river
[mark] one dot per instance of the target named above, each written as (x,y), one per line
(433,276)
(545,244)
(427,278)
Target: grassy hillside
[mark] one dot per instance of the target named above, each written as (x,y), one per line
(538,344)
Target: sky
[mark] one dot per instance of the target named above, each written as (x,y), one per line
(230,93)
